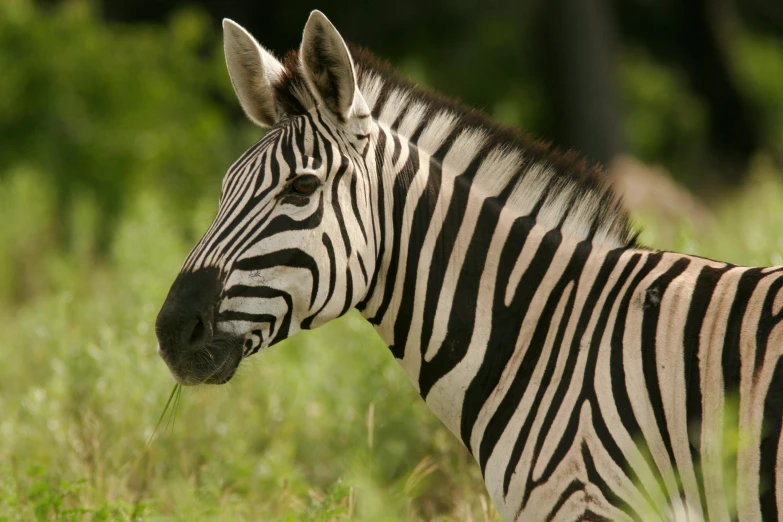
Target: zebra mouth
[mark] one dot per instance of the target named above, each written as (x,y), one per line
(214,364)
(194,349)
(232,350)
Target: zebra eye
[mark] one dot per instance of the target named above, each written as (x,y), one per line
(305,184)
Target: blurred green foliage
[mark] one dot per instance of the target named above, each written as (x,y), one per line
(666,123)
(759,61)
(102,110)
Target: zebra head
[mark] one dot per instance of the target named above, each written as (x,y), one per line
(290,247)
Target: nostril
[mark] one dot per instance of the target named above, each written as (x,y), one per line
(198,333)
(185,324)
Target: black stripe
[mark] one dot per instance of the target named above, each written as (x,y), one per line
(301,129)
(282,224)
(403,110)
(773,405)
(597,480)
(290,257)
(444,244)
(380,215)
(265,292)
(332,279)
(338,212)
(288,148)
(654,293)
(402,184)
(574,487)
(396,150)
(355,204)
(362,267)
(462,317)
(600,427)
(730,360)
(767,321)
(256,319)
(769,450)
(506,327)
(570,276)
(588,393)
(703,292)
(348,291)
(420,225)
(730,357)
(619,390)
(383,96)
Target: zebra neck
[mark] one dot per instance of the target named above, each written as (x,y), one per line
(446,248)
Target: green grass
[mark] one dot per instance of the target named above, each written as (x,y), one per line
(324,426)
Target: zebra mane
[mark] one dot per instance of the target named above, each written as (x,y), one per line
(561,190)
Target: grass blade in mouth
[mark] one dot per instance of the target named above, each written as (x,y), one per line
(175,393)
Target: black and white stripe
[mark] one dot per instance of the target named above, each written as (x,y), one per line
(591,378)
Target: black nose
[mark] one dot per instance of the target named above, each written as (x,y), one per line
(185,323)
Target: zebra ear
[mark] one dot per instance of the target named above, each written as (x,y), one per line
(328,68)
(253,71)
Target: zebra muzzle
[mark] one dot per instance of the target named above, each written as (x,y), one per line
(185,328)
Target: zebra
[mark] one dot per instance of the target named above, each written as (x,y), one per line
(591,377)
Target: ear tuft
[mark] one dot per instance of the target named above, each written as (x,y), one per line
(253,71)
(328,67)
